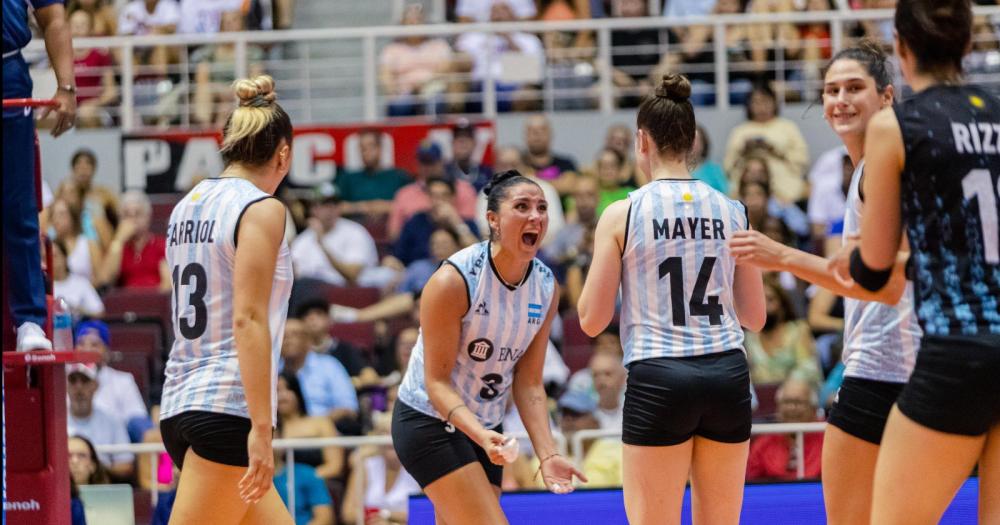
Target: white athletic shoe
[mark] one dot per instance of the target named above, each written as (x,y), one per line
(30,336)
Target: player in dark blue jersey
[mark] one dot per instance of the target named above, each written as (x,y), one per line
(932,164)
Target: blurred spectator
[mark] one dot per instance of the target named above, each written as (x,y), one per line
(100,427)
(332,249)
(511,158)
(379,481)
(98,204)
(215,71)
(609,384)
(369,191)
(415,197)
(784,348)
(488,52)
(313,505)
(101,11)
(293,422)
(612,188)
(402,347)
(444,242)
(315,314)
(775,44)
(774,457)
(828,190)
(149,17)
(756,170)
(569,68)
(84,466)
(619,138)
(565,246)
(463,165)
(602,462)
(826,313)
(414,240)
(556,169)
(635,52)
(136,257)
(84,254)
(411,67)
(682,8)
(117,392)
(985,55)
(706,170)
(204,16)
(78,292)
(816,48)
(95,76)
(77,516)
(754,195)
(775,139)
(481,10)
(155,93)
(326,386)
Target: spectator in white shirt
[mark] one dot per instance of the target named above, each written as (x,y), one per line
(98,426)
(77,291)
(144,17)
(333,249)
(828,190)
(204,16)
(117,391)
(479,10)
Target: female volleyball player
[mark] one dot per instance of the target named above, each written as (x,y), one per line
(932,162)
(880,341)
(484,326)
(232,276)
(687,403)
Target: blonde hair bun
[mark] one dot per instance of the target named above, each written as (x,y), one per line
(255,92)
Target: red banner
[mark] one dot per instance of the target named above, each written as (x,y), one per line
(169,162)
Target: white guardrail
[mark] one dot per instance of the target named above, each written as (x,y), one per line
(576,446)
(313,78)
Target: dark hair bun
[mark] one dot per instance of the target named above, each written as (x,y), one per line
(674,87)
(498,179)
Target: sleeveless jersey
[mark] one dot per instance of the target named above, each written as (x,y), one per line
(677,271)
(949,190)
(496,331)
(880,341)
(203,372)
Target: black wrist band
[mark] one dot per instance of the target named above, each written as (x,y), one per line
(869,279)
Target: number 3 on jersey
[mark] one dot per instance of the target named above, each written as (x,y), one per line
(674,267)
(196,300)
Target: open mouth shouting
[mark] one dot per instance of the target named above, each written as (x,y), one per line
(530,239)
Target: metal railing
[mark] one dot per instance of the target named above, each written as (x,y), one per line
(328,75)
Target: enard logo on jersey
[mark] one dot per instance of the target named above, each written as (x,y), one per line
(481,350)
(534,313)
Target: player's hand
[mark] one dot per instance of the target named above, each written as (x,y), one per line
(65,110)
(258,478)
(840,263)
(492,442)
(557,474)
(753,247)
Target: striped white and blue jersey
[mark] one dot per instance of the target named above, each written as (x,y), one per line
(203,372)
(496,331)
(880,341)
(677,271)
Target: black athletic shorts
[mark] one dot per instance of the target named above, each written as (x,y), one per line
(955,387)
(429,451)
(221,438)
(862,407)
(668,400)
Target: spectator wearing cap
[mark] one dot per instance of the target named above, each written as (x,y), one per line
(415,197)
(98,426)
(463,165)
(578,410)
(117,391)
(414,241)
(332,249)
(370,190)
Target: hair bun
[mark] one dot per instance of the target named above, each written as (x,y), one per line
(498,179)
(255,92)
(674,87)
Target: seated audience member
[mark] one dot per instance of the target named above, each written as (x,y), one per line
(136,257)
(402,349)
(705,170)
(511,158)
(557,169)
(468,11)
(444,242)
(83,254)
(415,197)
(609,383)
(634,53)
(612,188)
(93,70)
(602,462)
(293,422)
(463,165)
(784,348)
(379,481)
(199,16)
(84,465)
(411,67)
(97,203)
(333,249)
(326,386)
(829,180)
(369,192)
(77,291)
(755,169)
(215,70)
(99,427)
(102,11)
(619,138)
(313,504)
(571,241)
(117,392)
(414,239)
(315,314)
(775,457)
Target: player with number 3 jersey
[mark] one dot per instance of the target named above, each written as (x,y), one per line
(684,300)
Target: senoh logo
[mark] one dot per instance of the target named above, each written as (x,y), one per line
(480,350)
(22,506)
